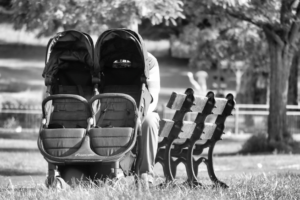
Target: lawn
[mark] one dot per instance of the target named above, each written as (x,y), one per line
(21,157)
(273,176)
(23,169)
(246,186)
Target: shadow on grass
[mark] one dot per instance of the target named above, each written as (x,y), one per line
(23,150)
(22,51)
(259,144)
(225,154)
(26,136)
(15,172)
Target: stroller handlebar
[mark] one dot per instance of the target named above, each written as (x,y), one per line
(111,95)
(66,96)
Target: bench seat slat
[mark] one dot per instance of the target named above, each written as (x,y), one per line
(176,101)
(219,106)
(199,104)
(167,124)
(186,129)
(208,131)
(165,127)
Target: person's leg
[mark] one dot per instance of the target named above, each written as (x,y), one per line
(150,128)
(73,174)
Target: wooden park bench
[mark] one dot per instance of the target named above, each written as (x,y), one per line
(171,152)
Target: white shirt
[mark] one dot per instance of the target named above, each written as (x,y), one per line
(153,81)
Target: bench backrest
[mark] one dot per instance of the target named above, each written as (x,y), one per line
(204,106)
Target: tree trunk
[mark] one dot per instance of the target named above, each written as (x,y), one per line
(293,81)
(280,61)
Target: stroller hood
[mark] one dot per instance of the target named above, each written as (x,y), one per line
(68,47)
(120,44)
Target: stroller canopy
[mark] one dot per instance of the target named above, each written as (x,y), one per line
(67,49)
(120,44)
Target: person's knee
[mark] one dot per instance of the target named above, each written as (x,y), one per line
(151,121)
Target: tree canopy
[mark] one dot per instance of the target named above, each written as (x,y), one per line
(279,21)
(92,16)
(215,30)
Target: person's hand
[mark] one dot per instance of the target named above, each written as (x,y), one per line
(190,75)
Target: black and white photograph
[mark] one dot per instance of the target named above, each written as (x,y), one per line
(149,99)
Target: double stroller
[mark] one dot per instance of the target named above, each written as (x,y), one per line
(97,98)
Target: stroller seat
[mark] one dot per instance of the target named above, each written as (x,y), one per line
(115,123)
(68,78)
(110,141)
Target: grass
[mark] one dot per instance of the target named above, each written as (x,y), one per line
(261,186)
(249,177)
(24,162)
(21,157)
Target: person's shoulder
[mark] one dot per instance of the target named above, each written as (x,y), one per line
(150,55)
(151,61)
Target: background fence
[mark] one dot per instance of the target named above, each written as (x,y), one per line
(24,118)
(249,118)
(246,118)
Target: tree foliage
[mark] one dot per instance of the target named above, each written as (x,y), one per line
(215,30)
(218,41)
(273,23)
(280,22)
(90,15)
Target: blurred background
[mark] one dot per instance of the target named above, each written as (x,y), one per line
(205,45)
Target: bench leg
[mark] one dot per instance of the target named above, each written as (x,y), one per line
(168,163)
(171,169)
(210,168)
(192,166)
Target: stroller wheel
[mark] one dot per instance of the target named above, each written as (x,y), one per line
(56,183)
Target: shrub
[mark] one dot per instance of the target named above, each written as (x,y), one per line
(11,123)
(258,143)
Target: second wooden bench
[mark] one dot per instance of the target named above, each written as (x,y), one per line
(171,152)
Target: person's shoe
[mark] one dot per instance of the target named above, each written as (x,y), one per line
(56,183)
(147,181)
(144,181)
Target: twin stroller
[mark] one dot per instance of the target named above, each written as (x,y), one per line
(97,99)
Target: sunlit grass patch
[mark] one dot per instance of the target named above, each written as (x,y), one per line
(22,163)
(265,186)
(261,186)
(18,144)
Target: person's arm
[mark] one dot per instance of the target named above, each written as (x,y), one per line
(193,81)
(153,81)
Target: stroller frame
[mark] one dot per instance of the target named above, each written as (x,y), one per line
(84,154)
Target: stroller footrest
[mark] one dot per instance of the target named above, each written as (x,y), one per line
(62,142)
(110,141)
